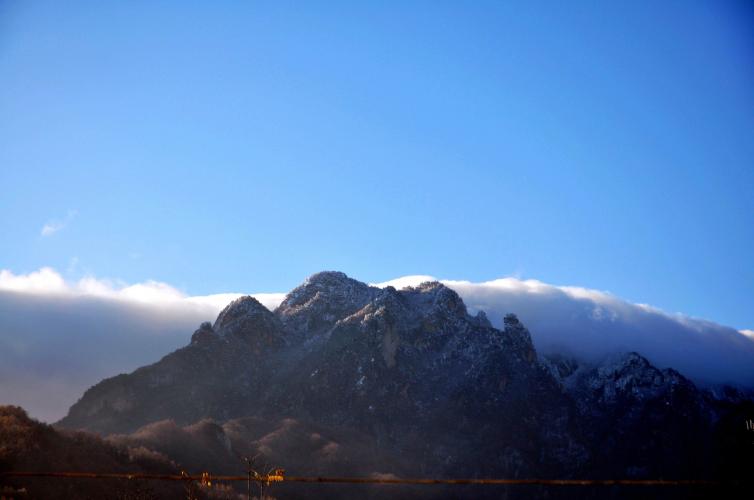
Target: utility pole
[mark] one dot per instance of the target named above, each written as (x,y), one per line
(249,462)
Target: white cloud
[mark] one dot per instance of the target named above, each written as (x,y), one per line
(48,281)
(54,226)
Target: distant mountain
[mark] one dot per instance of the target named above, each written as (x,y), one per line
(411,376)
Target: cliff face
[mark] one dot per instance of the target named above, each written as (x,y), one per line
(410,371)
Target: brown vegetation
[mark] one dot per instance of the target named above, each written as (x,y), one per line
(28,445)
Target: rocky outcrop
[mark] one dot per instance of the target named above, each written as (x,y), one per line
(324,298)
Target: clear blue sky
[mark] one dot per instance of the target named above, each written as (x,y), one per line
(242,146)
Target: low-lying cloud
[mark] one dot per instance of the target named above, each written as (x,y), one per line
(48,282)
(591,324)
(57,338)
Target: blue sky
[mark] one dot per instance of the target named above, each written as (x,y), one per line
(224,147)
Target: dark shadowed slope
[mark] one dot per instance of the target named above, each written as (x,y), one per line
(27,445)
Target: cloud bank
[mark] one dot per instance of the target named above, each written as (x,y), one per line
(57,338)
(591,324)
(48,282)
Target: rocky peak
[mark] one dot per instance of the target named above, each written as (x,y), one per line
(314,306)
(560,367)
(433,298)
(628,369)
(625,403)
(389,298)
(517,335)
(482,319)
(631,377)
(242,310)
(324,277)
(245,318)
(627,361)
(203,334)
(239,308)
(389,305)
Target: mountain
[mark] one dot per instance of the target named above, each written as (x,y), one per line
(412,376)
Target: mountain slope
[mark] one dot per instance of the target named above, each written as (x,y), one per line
(27,445)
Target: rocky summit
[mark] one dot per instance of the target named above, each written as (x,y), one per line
(430,389)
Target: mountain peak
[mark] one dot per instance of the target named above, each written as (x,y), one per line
(203,334)
(631,376)
(625,363)
(242,307)
(323,285)
(316,304)
(435,297)
(247,320)
(327,277)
